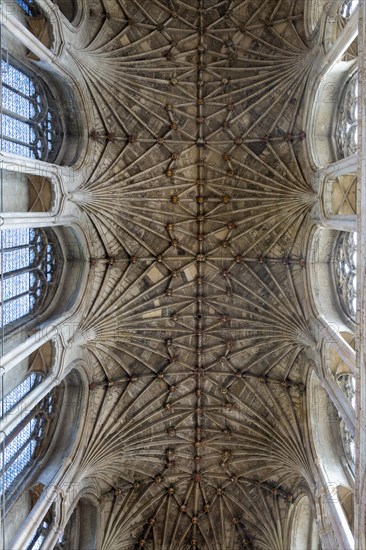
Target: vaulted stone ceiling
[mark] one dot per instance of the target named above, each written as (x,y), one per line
(199,333)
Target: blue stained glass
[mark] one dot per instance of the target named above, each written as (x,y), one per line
(17,149)
(15,309)
(17,394)
(17,79)
(26,129)
(18,130)
(18,104)
(13,286)
(19,440)
(25,7)
(19,464)
(22,261)
(12,260)
(16,237)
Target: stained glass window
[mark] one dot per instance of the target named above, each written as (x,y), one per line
(40,535)
(345,272)
(17,394)
(28,7)
(43,530)
(23,443)
(348,7)
(28,126)
(27,268)
(347,126)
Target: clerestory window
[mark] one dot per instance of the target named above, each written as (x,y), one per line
(347,124)
(20,391)
(345,272)
(28,268)
(29,125)
(24,443)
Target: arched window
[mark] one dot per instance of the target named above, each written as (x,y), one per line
(42,530)
(30,264)
(29,124)
(348,7)
(347,129)
(345,272)
(24,444)
(17,394)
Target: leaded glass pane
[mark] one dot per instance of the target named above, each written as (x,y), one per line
(11,311)
(13,286)
(347,126)
(346,277)
(17,149)
(17,394)
(17,79)
(18,442)
(18,465)
(40,535)
(27,125)
(21,444)
(13,101)
(11,260)
(16,237)
(17,130)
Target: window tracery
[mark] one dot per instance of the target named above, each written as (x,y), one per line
(24,443)
(347,124)
(28,268)
(345,272)
(29,126)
